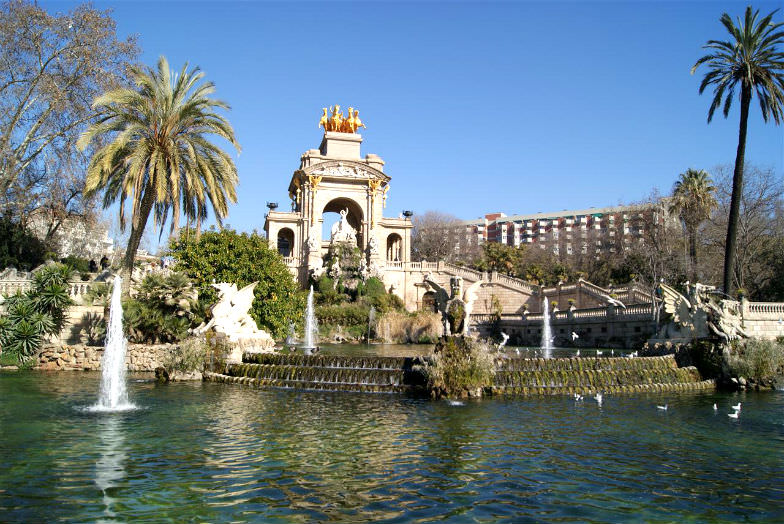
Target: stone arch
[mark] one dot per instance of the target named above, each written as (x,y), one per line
(394,247)
(355,215)
(429,302)
(285,242)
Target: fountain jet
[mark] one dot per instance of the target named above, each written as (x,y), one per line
(547,336)
(112,394)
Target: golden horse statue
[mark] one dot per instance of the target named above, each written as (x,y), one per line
(336,122)
(357,122)
(324,122)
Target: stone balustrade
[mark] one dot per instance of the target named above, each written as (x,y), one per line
(76,289)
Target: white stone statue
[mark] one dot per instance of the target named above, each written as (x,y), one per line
(699,317)
(342,230)
(313,241)
(470,295)
(231,321)
(373,246)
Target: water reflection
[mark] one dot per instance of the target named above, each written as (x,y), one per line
(226,453)
(110,466)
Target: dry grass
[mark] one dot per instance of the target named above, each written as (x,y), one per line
(402,328)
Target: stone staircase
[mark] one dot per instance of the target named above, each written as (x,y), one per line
(566,376)
(558,376)
(321,372)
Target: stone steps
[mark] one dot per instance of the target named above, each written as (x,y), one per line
(538,376)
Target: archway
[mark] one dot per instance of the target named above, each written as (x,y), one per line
(394,248)
(286,242)
(429,302)
(330,215)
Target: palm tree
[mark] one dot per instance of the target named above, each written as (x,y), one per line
(750,58)
(693,200)
(159,151)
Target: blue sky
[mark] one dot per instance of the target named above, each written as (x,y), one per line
(516,107)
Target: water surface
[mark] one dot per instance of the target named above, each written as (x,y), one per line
(205,452)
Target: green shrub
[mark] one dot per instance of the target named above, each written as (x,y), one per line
(37,314)
(78,264)
(374,288)
(240,258)
(164,308)
(99,294)
(459,367)
(189,355)
(757,359)
(344,315)
(18,247)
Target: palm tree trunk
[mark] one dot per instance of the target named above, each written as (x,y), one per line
(137,231)
(693,253)
(737,190)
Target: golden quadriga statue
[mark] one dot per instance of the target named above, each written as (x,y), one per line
(336,122)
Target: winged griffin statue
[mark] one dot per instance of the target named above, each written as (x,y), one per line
(699,316)
(230,319)
(445,301)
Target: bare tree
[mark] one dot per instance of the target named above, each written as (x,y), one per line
(51,69)
(760,224)
(440,236)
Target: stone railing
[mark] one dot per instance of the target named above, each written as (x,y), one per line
(393,264)
(765,308)
(593,312)
(514,282)
(11,287)
(291,261)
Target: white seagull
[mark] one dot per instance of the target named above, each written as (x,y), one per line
(575,336)
(598,398)
(736,407)
(663,408)
(733,415)
(599,353)
(715,407)
(577,354)
(577,397)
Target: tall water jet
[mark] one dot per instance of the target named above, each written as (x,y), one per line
(310,324)
(371,323)
(547,335)
(113,395)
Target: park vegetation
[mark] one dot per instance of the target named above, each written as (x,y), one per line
(159,151)
(52,65)
(30,318)
(459,367)
(752,61)
(240,258)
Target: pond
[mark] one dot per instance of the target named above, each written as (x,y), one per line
(205,452)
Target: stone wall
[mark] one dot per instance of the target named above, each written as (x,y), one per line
(139,357)
(608,326)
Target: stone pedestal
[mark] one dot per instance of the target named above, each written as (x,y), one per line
(341,145)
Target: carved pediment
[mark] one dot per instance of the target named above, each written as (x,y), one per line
(345,169)
(339,170)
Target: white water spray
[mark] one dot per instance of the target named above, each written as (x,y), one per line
(310,323)
(113,395)
(547,335)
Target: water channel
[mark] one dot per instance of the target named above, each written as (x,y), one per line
(205,452)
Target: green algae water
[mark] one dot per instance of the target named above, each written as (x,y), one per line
(204,452)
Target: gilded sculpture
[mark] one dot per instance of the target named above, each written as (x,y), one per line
(336,122)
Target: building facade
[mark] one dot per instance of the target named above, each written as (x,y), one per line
(336,178)
(570,232)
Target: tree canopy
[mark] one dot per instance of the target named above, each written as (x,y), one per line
(51,68)
(241,258)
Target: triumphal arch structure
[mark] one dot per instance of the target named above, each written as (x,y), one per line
(336,178)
